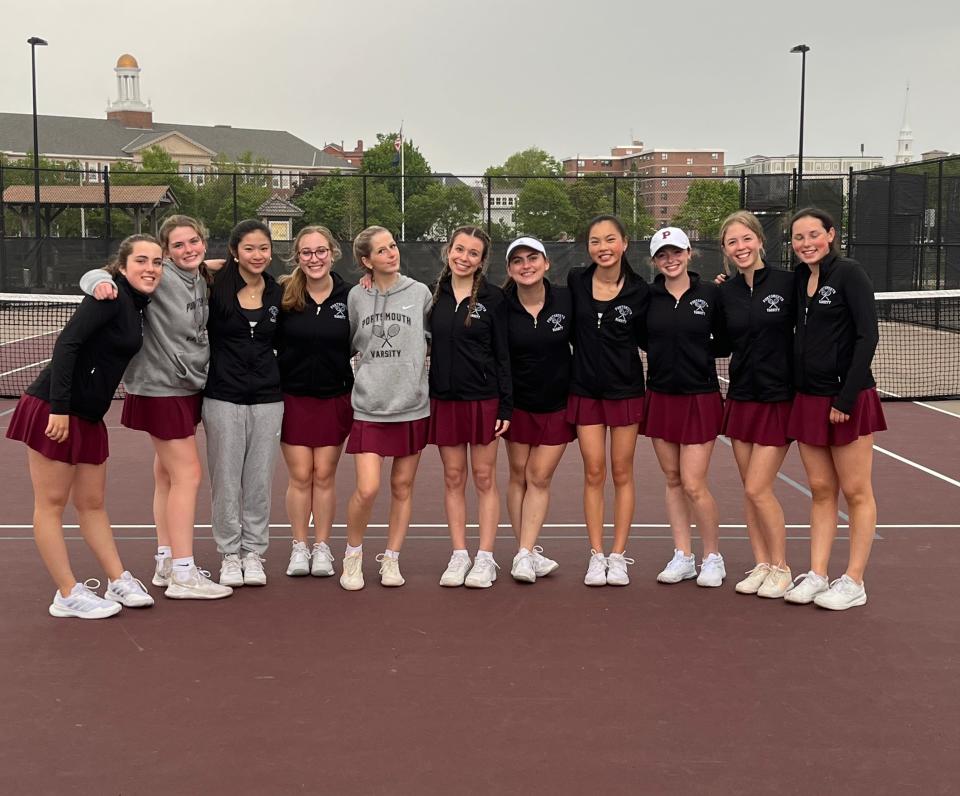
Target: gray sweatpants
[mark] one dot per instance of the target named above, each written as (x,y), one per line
(242,446)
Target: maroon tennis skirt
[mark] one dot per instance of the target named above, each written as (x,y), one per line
(459,422)
(86,444)
(584,411)
(756,422)
(389,439)
(316,422)
(684,419)
(540,428)
(164,417)
(810,419)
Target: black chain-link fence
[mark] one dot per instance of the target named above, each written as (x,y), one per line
(902,223)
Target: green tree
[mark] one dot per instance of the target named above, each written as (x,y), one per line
(215,196)
(158,168)
(532,162)
(630,207)
(383,161)
(589,197)
(707,204)
(440,209)
(335,201)
(544,210)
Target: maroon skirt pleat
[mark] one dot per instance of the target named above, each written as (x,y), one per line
(316,422)
(164,417)
(684,419)
(459,422)
(757,422)
(87,442)
(540,428)
(810,419)
(584,411)
(389,439)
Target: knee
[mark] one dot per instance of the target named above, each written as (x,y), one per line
(46,502)
(518,476)
(484,479)
(622,474)
(187,475)
(88,502)
(672,478)
(755,493)
(858,496)
(366,493)
(324,479)
(455,478)
(401,490)
(594,474)
(694,490)
(823,490)
(538,479)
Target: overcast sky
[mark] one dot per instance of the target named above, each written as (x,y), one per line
(477,81)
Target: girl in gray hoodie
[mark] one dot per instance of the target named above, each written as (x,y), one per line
(391,398)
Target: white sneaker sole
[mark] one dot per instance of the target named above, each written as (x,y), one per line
(618,582)
(176,591)
(842,607)
(324,572)
(392,584)
(100,613)
(255,580)
(233,583)
(521,577)
(132,601)
(298,572)
(661,578)
(711,585)
(160,581)
(351,585)
(544,571)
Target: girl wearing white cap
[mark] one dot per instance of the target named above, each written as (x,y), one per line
(540,323)
(684,410)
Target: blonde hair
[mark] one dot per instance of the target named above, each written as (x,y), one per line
(171,223)
(751,222)
(478,277)
(363,246)
(295,283)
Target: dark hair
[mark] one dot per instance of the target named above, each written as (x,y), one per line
(606,217)
(224,288)
(126,249)
(824,218)
(478,277)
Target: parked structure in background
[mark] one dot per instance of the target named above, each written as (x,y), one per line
(129,130)
(661,194)
(813,165)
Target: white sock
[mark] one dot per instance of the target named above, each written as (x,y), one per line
(391,554)
(484,554)
(351,550)
(181,567)
(461,553)
(523,551)
(164,552)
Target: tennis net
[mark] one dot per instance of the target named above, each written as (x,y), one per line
(918,357)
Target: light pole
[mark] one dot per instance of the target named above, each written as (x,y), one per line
(803,49)
(35,42)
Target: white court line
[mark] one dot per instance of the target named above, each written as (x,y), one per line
(648,525)
(25,367)
(920,467)
(424,538)
(8,412)
(30,337)
(921,403)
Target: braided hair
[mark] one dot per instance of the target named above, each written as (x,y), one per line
(478,278)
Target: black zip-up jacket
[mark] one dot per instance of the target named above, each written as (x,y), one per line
(243,366)
(606,355)
(682,338)
(313,346)
(757,329)
(471,363)
(540,350)
(91,354)
(837,332)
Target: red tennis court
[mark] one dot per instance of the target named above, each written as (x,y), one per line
(304,687)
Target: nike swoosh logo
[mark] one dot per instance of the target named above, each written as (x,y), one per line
(407,306)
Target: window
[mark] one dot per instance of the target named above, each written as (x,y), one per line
(663,169)
(580,164)
(663,211)
(689,161)
(689,173)
(276,180)
(663,156)
(713,170)
(663,197)
(715,155)
(663,183)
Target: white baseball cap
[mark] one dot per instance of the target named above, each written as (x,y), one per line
(529,243)
(668,236)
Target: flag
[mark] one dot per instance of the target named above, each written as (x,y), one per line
(398,146)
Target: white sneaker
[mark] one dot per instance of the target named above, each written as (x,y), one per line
(196,586)
(809,586)
(596,570)
(390,571)
(321,561)
(617,569)
(678,568)
(299,560)
(524,567)
(231,572)
(776,584)
(712,571)
(456,571)
(128,591)
(253,573)
(754,580)
(161,574)
(542,565)
(843,593)
(352,577)
(83,603)
(482,574)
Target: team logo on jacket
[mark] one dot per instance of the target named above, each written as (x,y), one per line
(623,313)
(339,311)
(825,293)
(700,306)
(773,302)
(274,311)
(556,321)
(477,309)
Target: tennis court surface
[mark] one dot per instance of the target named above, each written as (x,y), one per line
(554,687)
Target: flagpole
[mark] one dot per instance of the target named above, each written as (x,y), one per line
(403,196)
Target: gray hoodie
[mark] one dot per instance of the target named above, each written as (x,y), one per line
(389,332)
(176,351)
